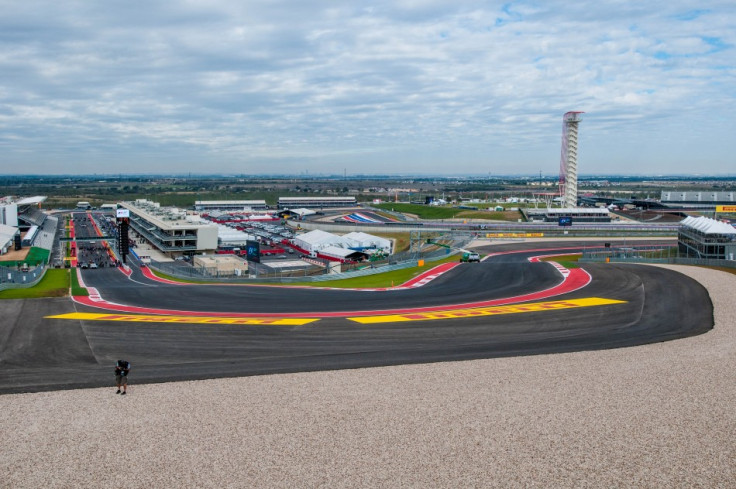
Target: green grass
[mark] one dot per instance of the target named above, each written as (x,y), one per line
(178,279)
(54,284)
(402,241)
(446,212)
(567,261)
(388,279)
(76,288)
(34,257)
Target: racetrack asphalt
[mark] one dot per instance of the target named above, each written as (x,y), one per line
(38,353)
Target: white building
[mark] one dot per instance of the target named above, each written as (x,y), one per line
(227,236)
(7,238)
(230,205)
(170,229)
(316,202)
(8,212)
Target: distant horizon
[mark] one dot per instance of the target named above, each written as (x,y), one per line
(376,175)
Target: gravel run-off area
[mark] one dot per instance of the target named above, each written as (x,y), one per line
(661,415)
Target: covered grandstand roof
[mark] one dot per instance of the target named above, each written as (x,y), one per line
(32,200)
(697,197)
(707,225)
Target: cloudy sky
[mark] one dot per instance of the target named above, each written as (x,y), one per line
(403,86)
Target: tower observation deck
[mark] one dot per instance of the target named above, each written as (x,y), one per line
(569,159)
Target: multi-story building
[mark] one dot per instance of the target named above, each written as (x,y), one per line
(230,205)
(316,202)
(170,229)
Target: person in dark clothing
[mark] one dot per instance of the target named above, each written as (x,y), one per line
(122,368)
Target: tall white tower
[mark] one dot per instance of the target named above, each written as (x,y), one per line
(569,159)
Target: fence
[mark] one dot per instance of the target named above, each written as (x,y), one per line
(649,254)
(14,278)
(309,274)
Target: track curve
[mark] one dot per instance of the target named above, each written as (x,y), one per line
(653,305)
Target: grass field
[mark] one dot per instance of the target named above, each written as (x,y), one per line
(387,279)
(76,288)
(401,240)
(54,284)
(567,261)
(34,257)
(443,212)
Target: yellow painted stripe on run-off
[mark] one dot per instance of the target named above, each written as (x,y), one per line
(139,318)
(487,311)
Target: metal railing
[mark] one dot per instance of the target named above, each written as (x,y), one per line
(649,254)
(306,274)
(14,278)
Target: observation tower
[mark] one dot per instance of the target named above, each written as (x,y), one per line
(569,159)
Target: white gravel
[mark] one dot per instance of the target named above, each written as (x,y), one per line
(662,415)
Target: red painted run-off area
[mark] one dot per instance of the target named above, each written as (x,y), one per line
(434,273)
(572,280)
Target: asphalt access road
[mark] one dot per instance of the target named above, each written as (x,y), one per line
(39,354)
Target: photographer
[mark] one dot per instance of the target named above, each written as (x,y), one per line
(122,368)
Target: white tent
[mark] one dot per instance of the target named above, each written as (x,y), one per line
(360,240)
(317,240)
(229,236)
(301,212)
(707,225)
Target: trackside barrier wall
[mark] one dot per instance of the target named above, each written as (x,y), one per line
(549,230)
(668,261)
(12,278)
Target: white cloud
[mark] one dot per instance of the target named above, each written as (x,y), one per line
(405,86)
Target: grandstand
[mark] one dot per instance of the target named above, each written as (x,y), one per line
(697,200)
(32,216)
(230,205)
(316,202)
(702,237)
(47,233)
(578,214)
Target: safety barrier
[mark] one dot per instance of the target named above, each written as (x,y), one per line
(702,262)
(395,262)
(12,278)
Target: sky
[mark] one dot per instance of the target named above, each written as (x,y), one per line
(397,87)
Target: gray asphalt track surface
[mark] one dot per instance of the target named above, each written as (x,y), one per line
(38,354)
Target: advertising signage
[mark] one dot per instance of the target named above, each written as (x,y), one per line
(253,251)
